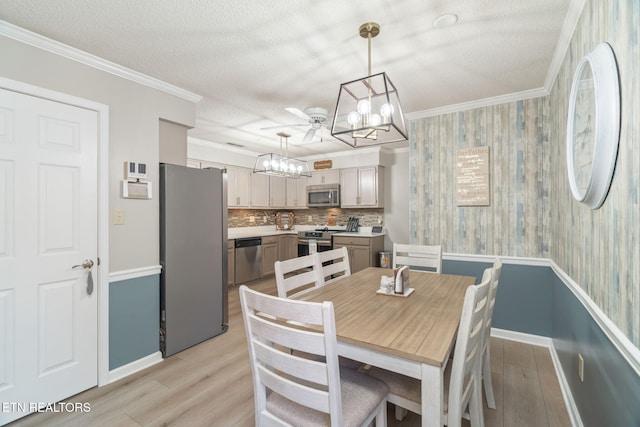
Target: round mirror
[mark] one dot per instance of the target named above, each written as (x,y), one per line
(593,126)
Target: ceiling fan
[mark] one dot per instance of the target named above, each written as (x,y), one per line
(315,116)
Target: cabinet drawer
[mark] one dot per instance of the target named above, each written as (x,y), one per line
(344,240)
(267,240)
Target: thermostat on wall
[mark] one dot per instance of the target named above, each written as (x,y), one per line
(134,171)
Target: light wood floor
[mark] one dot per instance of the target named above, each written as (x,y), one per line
(210,385)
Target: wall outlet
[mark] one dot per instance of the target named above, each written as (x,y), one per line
(265,219)
(309,218)
(252,219)
(580,367)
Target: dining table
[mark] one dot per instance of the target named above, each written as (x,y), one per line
(412,334)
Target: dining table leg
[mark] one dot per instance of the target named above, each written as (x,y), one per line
(432,395)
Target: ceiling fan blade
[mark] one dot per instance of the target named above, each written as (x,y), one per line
(284,126)
(299,113)
(309,135)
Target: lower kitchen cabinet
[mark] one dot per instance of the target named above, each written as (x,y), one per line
(363,251)
(270,254)
(231,262)
(288,246)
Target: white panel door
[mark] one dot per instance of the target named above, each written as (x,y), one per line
(48,224)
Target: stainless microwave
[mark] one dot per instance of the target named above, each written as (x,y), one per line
(323,196)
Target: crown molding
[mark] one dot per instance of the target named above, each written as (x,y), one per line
(568,28)
(57,48)
(480,103)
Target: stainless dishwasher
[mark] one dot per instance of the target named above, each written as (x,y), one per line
(248,259)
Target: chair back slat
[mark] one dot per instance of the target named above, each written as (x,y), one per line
(298,275)
(274,326)
(337,264)
(465,371)
(418,256)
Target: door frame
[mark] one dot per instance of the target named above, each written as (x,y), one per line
(102,276)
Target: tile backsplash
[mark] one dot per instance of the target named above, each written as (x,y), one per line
(243,217)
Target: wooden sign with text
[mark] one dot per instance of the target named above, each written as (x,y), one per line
(322,164)
(472,177)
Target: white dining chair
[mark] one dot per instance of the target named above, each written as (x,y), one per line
(486,351)
(462,375)
(423,256)
(296,276)
(337,264)
(295,391)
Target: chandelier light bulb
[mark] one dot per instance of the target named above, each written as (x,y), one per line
(363,106)
(265,164)
(353,118)
(386,110)
(375,119)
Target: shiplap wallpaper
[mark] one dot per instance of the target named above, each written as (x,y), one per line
(532,212)
(515,222)
(600,249)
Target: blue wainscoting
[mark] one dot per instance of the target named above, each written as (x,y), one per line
(532,299)
(134,310)
(610,393)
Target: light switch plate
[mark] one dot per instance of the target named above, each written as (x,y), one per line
(118,216)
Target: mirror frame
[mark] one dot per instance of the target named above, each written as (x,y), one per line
(605,127)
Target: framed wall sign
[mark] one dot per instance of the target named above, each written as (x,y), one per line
(593,126)
(472,176)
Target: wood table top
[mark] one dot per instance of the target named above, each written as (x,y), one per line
(420,327)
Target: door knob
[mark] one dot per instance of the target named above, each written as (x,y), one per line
(87,264)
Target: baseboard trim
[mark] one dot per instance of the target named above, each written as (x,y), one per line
(134,273)
(572,409)
(547,342)
(135,366)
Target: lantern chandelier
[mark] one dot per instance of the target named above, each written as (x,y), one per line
(368,110)
(281,164)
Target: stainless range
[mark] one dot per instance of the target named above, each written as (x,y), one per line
(321,236)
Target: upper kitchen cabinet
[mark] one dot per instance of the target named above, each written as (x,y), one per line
(277,192)
(297,192)
(259,190)
(268,191)
(238,190)
(362,187)
(329,176)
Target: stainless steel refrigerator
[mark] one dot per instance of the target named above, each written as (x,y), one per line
(193,255)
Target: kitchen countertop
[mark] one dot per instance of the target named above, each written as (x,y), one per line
(270,230)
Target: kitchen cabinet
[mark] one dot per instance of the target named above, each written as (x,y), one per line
(329,176)
(362,187)
(270,254)
(297,192)
(363,251)
(259,191)
(231,262)
(238,190)
(268,191)
(288,245)
(277,192)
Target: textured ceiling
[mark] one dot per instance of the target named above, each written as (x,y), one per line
(251,59)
